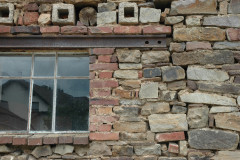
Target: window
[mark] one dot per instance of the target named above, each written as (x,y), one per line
(44,92)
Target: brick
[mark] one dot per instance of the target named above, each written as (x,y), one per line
(104,110)
(30,18)
(50,139)
(104,136)
(103,119)
(104,58)
(102,51)
(157,29)
(80,140)
(92,59)
(74,30)
(104,102)
(101,93)
(25,29)
(128,30)
(92,75)
(20,21)
(103,84)
(173,148)
(198,45)
(20,140)
(50,29)
(35,140)
(233,34)
(6,139)
(100,30)
(93,127)
(106,75)
(65,139)
(104,66)
(105,128)
(5,29)
(166,137)
(31,7)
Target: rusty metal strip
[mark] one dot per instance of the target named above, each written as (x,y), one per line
(75,42)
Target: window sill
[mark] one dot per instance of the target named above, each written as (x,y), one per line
(45,139)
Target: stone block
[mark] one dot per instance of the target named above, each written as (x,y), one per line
(44,19)
(173,20)
(155,108)
(183,149)
(149,15)
(63,149)
(222,21)
(130,66)
(63,14)
(42,151)
(173,148)
(233,7)
(172,158)
(167,137)
(158,29)
(150,57)
(233,34)
(228,155)
(148,150)
(99,149)
(193,21)
(227,45)
(149,90)
(179,109)
(106,18)
(45,8)
(106,7)
(129,56)
(6,13)
(228,121)
(219,109)
(197,117)
(128,13)
(122,150)
(128,30)
(190,46)
(177,47)
(172,73)
(152,72)
(126,74)
(131,127)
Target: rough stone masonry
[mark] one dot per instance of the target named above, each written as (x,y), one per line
(177,103)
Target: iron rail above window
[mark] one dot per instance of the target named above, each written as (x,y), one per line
(84,41)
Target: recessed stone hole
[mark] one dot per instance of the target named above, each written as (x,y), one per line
(159,42)
(129,12)
(4,12)
(162,4)
(146,42)
(63,13)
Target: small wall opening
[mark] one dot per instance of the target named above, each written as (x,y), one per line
(63,13)
(129,12)
(4,12)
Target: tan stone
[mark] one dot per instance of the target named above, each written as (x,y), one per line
(228,121)
(132,127)
(227,155)
(44,19)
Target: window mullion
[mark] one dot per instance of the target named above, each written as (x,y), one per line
(54,95)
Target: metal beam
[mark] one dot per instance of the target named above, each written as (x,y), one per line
(75,42)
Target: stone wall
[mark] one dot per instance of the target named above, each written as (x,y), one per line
(177,103)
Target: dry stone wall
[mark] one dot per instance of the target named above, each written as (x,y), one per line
(177,103)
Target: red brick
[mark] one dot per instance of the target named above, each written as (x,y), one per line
(128,30)
(74,30)
(102,51)
(20,21)
(80,140)
(92,111)
(65,139)
(198,45)
(100,30)
(103,119)
(93,127)
(104,102)
(233,34)
(30,18)
(20,140)
(35,140)
(157,30)
(101,93)
(140,74)
(31,7)
(173,148)
(5,29)
(104,66)
(6,139)
(106,75)
(105,58)
(104,136)
(103,84)
(25,29)
(92,75)
(50,29)
(92,59)
(105,128)
(166,137)
(50,139)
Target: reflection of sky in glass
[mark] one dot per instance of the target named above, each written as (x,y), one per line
(44,66)
(73,66)
(15,66)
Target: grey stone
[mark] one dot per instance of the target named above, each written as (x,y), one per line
(197,117)
(128,13)
(148,150)
(203,74)
(173,20)
(61,8)
(222,21)
(106,18)
(227,45)
(7,157)
(131,102)
(183,149)
(205,98)
(155,108)
(238,100)
(122,150)
(168,122)
(105,7)
(42,151)
(81,150)
(149,90)
(152,72)
(212,139)
(63,149)
(126,74)
(168,95)
(5,149)
(129,56)
(192,21)
(228,121)
(177,85)
(126,111)
(149,15)
(99,149)
(150,57)
(227,155)
(43,8)
(172,158)
(130,66)
(124,136)
(23,157)
(172,73)
(179,110)
(203,57)
(219,87)
(234,6)
(177,47)
(222,109)
(199,154)
(9,8)
(31,158)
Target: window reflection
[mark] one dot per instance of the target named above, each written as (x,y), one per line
(44,66)
(14,100)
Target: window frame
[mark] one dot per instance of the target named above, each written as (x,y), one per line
(54,78)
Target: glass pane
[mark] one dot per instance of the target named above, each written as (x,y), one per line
(19,66)
(73,66)
(72,105)
(44,66)
(42,102)
(14,98)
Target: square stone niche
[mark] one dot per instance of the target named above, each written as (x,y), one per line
(63,14)
(128,13)
(6,13)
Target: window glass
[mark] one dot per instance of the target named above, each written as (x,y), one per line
(44,66)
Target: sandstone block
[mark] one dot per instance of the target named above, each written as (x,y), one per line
(173,20)
(177,47)
(219,109)
(213,139)
(122,150)
(106,18)
(128,13)
(233,7)
(168,122)
(228,155)
(176,85)
(106,7)
(42,151)
(43,8)
(172,158)
(99,149)
(130,66)
(193,21)
(205,98)
(172,73)
(150,57)
(152,72)
(227,45)
(132,127)
(148,150)
(63,149)
(222,21)
(149,90)
(183,149)
(198,45)
(126,55)
(44,19)
(126,111)
(233,34)
(155,108)
(197,117)
(81,150)
(228,121)
(63,14)
(126,74)
(149,15)
(6,13)
(5,149)
(132,136)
